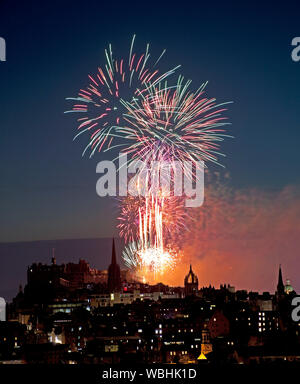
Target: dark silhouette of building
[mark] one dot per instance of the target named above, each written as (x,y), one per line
(40,273)
(71,275)
(114,273)
(218,325)
(280,285)
(190,283)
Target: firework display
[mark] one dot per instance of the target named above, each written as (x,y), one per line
(164,125)
(101,104)
(175,216)
(176,122)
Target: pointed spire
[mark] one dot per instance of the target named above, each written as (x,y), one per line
(280,281)
(114,277)
(280,285)
(113,255)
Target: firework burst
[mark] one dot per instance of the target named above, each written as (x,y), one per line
(149,256)
(174,213)
(148,262)
(129,99)
(174,120)
(101,104)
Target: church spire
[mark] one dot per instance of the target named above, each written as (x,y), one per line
(190,283)
(280,285)
(113,254)
(114,274)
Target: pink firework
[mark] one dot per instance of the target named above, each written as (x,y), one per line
(101,104)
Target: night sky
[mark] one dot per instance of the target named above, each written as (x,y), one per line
(244,50)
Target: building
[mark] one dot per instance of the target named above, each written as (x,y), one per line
(190,283)
(70,275)
(206,346)
(288,288)
(42,274)
(81,274)
(111,299)
(218,325)
(114,273)
(12,337)
(280,285)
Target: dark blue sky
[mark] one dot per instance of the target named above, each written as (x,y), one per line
(47,190)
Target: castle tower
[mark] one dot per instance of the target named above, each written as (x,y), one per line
(114,275)
(190,283)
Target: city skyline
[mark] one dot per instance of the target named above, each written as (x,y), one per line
(73,314)
(56,252)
